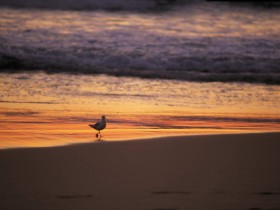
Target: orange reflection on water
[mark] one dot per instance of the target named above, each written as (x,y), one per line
(55,134)
(50,110)
(45,130)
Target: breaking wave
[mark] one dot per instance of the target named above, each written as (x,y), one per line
(199,42)
(204,64)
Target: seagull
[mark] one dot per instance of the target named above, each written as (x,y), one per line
(99,126)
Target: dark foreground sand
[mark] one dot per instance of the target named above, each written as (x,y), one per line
(196,172)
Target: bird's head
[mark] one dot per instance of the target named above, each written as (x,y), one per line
(103,117)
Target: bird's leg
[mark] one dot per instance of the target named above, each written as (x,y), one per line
(96,135)
(99,134)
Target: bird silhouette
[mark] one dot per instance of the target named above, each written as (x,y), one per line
(99,126)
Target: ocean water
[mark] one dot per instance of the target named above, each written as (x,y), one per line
(154,68)
(37,109)
(192,41)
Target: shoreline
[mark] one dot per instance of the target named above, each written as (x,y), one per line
(44,110)
(154,138)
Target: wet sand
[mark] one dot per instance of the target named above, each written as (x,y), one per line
(237,171)
(39,109)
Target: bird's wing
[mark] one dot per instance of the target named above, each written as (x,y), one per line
(96,125)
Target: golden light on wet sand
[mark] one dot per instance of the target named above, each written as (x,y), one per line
(44,110)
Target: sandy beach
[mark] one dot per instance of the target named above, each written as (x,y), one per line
(237,171)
